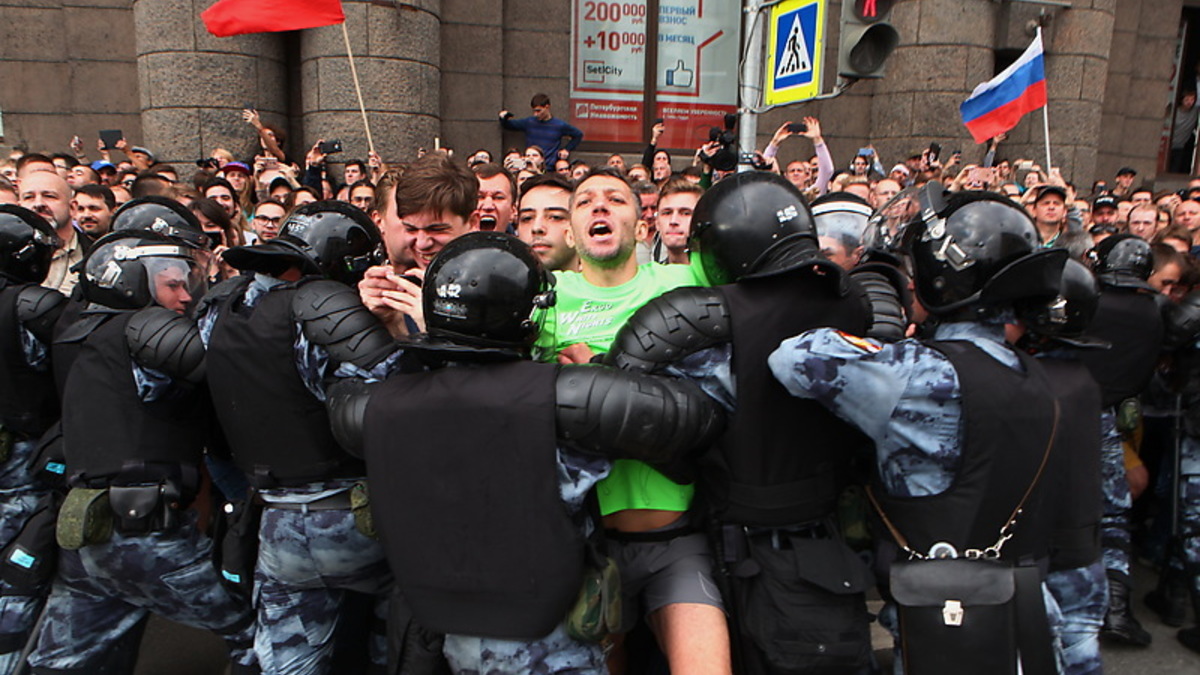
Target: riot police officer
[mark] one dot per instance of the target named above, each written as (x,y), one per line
(1130,319)
(274,334)
(962,426)
(485,523)
(28,406)
(1183,337)
(1055,332)
(135,424)
(796,591)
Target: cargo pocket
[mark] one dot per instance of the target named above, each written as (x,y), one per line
(804,605)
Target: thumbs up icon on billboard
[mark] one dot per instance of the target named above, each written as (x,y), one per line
(680,75)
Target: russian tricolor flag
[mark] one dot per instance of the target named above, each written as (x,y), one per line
(998,104)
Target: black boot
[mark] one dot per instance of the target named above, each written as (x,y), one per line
(1120,626)
(1190,637)
(1170,599)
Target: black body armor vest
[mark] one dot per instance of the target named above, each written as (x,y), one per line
(1132,322)
(28,400)
(466,499)
(277,430)
(782,459)
(109,432)
(1007,421)
(68,337)
(1074,470)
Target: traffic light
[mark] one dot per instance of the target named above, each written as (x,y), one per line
(867,38)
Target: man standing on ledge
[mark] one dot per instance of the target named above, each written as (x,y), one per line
(542,129)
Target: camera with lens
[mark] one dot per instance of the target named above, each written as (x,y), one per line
(724,158)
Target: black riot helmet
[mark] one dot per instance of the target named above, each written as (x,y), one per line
(841,216)
(133,269)
(164,216)
(1067,316)
(479,295)
(1123,261)
(977,252)
(330,238)
(27,243)
(755,224)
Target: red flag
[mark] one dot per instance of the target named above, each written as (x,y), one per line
(236,17)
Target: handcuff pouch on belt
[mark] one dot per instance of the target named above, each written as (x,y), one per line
(142,509)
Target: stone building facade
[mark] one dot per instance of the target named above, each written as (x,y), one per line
(443,68)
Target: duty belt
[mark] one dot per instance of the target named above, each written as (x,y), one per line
(337,502)
(735,539)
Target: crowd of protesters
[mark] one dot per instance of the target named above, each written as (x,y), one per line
(616,236)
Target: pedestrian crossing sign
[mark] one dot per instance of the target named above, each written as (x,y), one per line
(795,47)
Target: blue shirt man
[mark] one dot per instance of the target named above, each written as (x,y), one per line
(543,129)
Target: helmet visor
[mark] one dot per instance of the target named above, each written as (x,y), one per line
(174,282)
(885,229)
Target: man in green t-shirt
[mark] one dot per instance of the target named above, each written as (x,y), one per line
(665,565)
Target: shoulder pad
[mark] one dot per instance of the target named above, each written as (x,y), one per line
(677,323)
(621,414)
(226,289)
(167,342)
(38,308)
(332,315)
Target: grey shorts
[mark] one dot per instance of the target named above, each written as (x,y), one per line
(659,573)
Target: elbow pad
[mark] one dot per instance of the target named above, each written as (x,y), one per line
(347,401)
(669,327)
(167,342)
(38,309)
(885,288)
(332,316)
(633,416)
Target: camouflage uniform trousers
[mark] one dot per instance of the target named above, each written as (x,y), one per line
(104,590)
(554,653)
(18,501)
(306,560)
(1082,595)
(1189,511)
(1114,532)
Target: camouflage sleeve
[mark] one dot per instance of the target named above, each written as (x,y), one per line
(712,370)
(858,379)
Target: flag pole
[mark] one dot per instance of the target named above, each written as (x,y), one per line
(358,90)
(1045,111)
